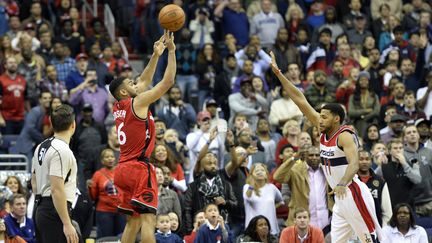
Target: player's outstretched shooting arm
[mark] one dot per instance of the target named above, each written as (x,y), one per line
(146,98)
(294,93)
(146,77)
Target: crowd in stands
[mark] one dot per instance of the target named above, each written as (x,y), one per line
(236,160)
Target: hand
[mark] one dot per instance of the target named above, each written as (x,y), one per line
(423,41)
(340,192)
(159,46)
(179,102)
(89,183)
(213,133)
(401,158)
(221,222)
(169,41)
(275,92)
(230,137)
(219,201)
(70,233)
(273,64)
(381,159)
(252,150)
(2,122)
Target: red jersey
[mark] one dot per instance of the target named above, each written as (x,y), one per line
(12,94)
(104,191)
(136,136)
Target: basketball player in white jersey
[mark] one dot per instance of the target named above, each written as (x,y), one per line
(354,209)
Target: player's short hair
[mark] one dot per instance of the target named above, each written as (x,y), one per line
(301,210)
(335,109)
(62,118)
(114,86)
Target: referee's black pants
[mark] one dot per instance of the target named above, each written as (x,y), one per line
(49,227)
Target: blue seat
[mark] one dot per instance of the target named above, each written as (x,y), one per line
(8,143)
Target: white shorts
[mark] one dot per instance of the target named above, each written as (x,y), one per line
(355,214)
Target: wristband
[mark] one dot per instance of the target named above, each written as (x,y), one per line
(340,184)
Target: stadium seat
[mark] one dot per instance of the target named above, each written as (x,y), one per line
(8,143)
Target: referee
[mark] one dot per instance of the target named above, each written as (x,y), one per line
(54,172)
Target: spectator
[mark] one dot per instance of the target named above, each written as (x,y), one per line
(410,77)
(15,186)
(247,73)
(27,36)
(6,47)
(260,197)
(397,123)
(406,49)
(177,114)
(200,192)
(323,54)
(90,93)
(345,56)
(63,63)
(199,220)
(396,7)
(259,58)
(424,95)
(202,28)
(302,231)
(402,226)
(258,230)
(411,110)
(51,83)
(36,17)
(300,175)
(68,39)
(103,191)
(423,125)
(31,68)
(290,132)
(371,136)
(295,20)
(31,134)
(47,129)
(374,71)
(230,12)
(177,148)
(360,31)
(268,140)
(377,186)
(246,103)
(162,156)
(318,93)
(363,106)
(379,23)
(77,76)
(266,24)
(5,237)
(387,37)
(167,198)
(415,153)
(283,109)
(77,27)
(330,23)
(354,11)
(46,50)
(286,53)
(17,223)
(163,233)
(14,26)
(294,75)
(126,71)
(175,222)
(337,77)
(13,97)
(207,66)
(316,17)
(346,89)
(379,153)
(95,63)
(113,65)
(401,175)
(98,36)
(214,230)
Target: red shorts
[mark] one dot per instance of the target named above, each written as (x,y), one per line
(137,186)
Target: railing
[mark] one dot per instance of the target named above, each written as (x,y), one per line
(124,49)
(109,21)
(14,162)
(87,7)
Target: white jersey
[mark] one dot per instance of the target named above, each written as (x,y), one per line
(53,157)
(333,158)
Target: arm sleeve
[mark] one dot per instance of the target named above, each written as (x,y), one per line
(386,206)
(59,163)
(413,173)
(93,190)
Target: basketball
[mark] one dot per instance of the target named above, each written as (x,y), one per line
(172,17)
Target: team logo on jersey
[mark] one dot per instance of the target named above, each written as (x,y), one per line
(327,153)
(147,197)
(375,183)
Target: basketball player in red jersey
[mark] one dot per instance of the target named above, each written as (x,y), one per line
(135,177)
(354,209)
